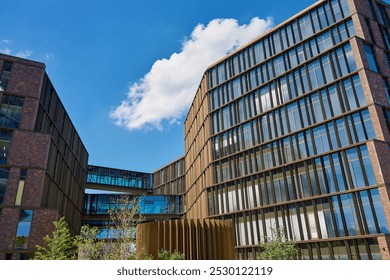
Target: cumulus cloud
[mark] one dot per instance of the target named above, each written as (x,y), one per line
(164,94)
(49,56)
(5,51)
(24,54)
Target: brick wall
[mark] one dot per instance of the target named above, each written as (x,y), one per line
(42,225)
(384,245)
(380,157)
(29,114)
(9,222)
(26,79)
(29,149)
(33,188)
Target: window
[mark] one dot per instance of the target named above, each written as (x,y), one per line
(316,76)
(355,168)
(5,74)
(23,231)
(10,111)
(3,182)
(370,58)
(5,139)
(350,216)
(321,139)
(19,193)
(383,14)
(380,215)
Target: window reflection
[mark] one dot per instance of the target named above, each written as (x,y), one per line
(23,230)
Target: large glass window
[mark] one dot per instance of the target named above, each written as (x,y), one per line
(355,168)
(367,166)
(315,73)
(370,56)
(321,139)
(368,215)
(4,75)
(338,216)
(10,110)
(380,214)
(3,182)
(23,231)
(350,216)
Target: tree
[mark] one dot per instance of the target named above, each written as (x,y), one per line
(278,247)
(59,246)
(88,243)
(120,244)
(165,255)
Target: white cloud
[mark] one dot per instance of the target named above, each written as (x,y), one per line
(6,41)
(167,90)
(49,56)
(5,51)
(24,54)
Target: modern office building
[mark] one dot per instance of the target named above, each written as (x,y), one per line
(292,130)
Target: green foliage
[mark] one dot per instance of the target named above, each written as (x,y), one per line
(59,246)
(121,244)
(90,247)
(278,247)
(165,255)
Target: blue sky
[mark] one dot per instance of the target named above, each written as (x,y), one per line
(97,52)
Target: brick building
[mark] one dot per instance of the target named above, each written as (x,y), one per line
(43,161)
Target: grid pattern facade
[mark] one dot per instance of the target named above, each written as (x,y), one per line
(294,126)
(292,131)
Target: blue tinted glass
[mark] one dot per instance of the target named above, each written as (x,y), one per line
(329,174)
(332,135)
(380,215)
(368,166)
(317,108)
(350,94)
(370,56)
(338,169)
(309,143)
(341,132)
(359,127)
(355,168)
(351,28)
(336,10)
(325,102)
(350,214)
(350,58)
(327,69)
(359,90)
(344,7)
(368,124)
(368,216)
(337,214)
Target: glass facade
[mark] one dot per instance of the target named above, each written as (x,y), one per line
(10,110)
(97,204)
(3,182)
(290,122)
(5,75)
(116,177)
(23,230)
